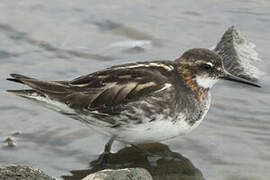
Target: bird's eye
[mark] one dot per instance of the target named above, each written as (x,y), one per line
(207,66)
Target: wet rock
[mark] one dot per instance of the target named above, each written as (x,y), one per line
(120,174)
(13,172)
(239,56)
(9,142)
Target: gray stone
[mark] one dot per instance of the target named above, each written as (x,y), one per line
(18,172)
(120,174)
(239,56)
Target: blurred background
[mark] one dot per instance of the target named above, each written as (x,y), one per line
(63,39)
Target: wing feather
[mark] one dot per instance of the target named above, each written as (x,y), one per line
(106,89)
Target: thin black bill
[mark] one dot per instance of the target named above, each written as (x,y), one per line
(231,77)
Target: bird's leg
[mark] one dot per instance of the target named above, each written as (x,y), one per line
(103,157)
(108,146)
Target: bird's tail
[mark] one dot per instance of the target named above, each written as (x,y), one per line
(26,93)
(38,86)
(45,92)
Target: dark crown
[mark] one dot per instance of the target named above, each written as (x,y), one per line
(200,54)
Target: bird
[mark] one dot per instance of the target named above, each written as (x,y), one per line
(135,103)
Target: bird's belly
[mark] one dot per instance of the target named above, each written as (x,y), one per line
(153,131)
(162,128)
(142,128)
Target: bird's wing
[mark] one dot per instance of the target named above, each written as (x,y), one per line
(109,88)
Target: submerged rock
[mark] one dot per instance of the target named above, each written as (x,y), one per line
(13,172)
(16,133)
(120,174)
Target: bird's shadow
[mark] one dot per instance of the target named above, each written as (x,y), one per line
(161,162)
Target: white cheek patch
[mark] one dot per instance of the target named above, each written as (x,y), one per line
(205,82)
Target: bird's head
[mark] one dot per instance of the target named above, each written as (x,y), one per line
(204,68)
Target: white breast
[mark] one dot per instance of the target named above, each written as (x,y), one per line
(162,128)
(156,131)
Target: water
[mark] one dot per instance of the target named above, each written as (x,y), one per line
(62,39)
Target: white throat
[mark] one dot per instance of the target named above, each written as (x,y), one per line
(205,82)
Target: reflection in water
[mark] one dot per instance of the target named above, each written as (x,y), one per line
(162,163)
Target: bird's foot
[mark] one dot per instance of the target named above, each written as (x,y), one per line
(102,160)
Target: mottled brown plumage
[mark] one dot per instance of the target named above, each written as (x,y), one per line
(137,102)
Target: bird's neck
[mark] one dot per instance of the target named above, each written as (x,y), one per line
(199,86)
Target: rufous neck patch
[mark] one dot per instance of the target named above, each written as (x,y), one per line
(189,82)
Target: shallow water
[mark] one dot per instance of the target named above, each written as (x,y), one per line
(61,39)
